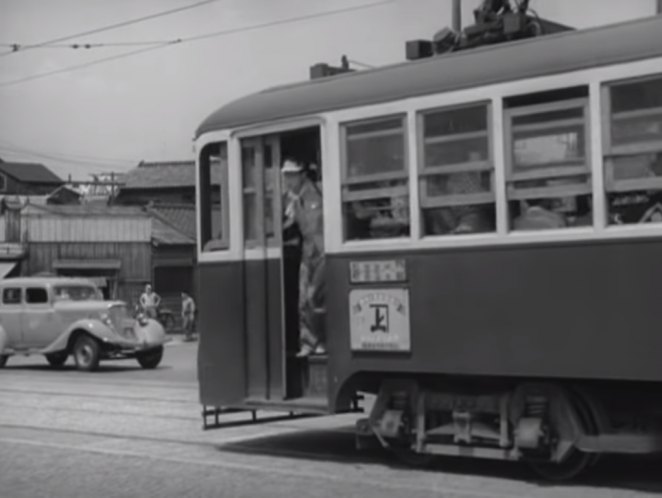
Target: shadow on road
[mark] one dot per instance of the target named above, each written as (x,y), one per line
(104,368)
(614,473)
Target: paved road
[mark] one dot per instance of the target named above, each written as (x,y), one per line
(125,432)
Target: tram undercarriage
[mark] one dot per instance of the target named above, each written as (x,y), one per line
(558,430)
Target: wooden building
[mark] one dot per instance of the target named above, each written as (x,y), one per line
(19,178)
(158,182)
(111,245)
(120,248)
(166,190)
(173,252)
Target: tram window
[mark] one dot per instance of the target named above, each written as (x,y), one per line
(375,191)
(213,197)
(548,170)
(633,151)
(457,173)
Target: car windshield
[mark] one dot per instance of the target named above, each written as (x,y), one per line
(77,293)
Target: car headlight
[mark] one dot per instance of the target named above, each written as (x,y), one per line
(142,320)
(105,318)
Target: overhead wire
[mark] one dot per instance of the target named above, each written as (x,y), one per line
(17,47)
(80,66)
(360,64)
(84,160)
(204,36)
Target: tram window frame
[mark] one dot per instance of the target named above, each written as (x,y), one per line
(366,193)
(466,202)
(568,179)
(208,242)
(644,188)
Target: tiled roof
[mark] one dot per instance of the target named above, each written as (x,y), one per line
(179,216)
(165,234)
(156,175)
(30,173)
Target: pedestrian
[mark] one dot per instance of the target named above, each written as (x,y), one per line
(305,206)
(188,316)
(149,302)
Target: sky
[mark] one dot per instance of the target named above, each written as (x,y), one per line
(110,116)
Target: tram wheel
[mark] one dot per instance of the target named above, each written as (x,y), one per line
(577,462)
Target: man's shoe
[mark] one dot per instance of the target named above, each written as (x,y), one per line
(305,351)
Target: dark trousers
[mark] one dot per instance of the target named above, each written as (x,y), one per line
(291,272)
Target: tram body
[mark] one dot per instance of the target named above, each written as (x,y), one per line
(500,342)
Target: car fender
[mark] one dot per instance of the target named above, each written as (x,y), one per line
(4,338)
(96,328)
(152,333)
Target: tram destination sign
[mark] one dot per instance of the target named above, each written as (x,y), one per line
(392,270)
(379,320)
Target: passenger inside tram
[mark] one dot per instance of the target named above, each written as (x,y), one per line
(303,238)
(538,214)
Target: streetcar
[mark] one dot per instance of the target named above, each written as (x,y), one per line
(493,241)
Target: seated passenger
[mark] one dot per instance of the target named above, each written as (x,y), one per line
(538,216)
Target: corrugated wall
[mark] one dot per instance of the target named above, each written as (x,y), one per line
(88,229)
(135,258)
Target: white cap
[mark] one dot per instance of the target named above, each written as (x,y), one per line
(290,166)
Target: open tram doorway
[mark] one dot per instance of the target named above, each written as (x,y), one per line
(277,251)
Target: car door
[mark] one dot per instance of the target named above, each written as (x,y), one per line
(12,309)
(38,319)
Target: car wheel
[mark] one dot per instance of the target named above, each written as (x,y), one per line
(57,359)
(86,353)
(3,360)
(151,359)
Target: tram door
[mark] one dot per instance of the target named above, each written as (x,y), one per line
(263,280)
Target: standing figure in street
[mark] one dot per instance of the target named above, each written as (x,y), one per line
(188,316)
(149,302)
(304,206)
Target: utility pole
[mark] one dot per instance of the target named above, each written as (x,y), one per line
(457,15)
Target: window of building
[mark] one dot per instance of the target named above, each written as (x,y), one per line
(375,191)
(548,167)
(36,295)
(214,222)
(11,295)
(633,150)
(457,174)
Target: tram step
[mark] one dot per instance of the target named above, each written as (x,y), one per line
(315,381)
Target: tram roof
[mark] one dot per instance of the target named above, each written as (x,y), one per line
(553,54)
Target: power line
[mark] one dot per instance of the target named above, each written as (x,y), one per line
(96,163)
(20,148)
(17,47)
(287,20)
(80,66)
(360,64)
(197,38)
(77,46)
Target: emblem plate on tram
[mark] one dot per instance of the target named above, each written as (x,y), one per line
(379,320)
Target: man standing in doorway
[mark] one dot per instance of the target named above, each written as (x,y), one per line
(304,205)
(149,302)
(188,316)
